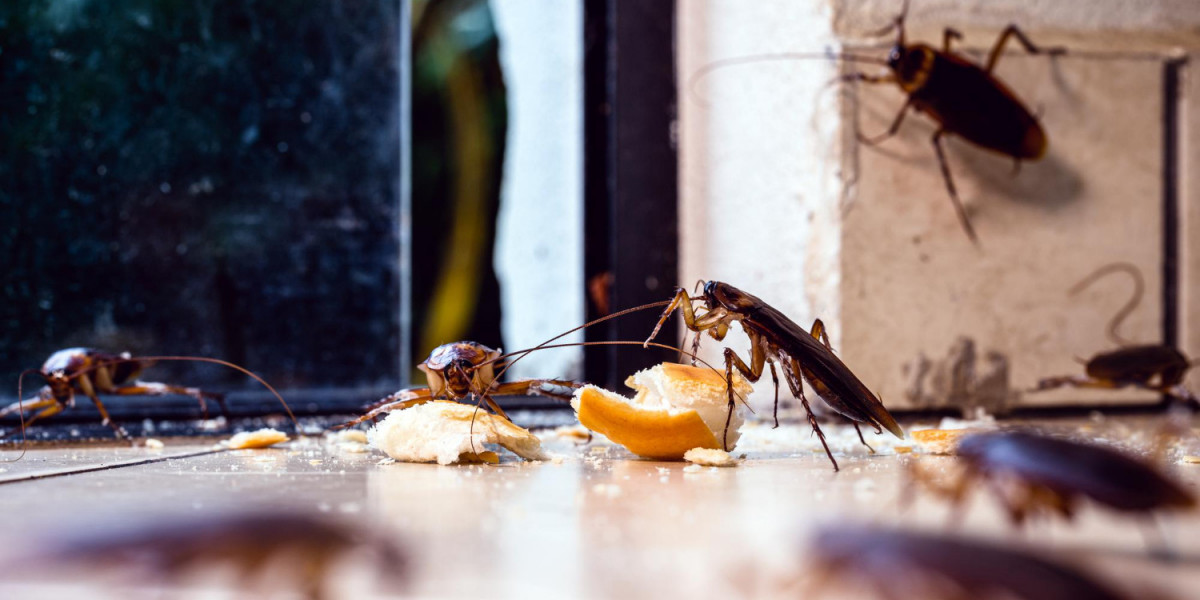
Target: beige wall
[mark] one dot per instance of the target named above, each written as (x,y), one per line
(778,198)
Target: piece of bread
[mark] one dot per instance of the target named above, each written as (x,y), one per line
(255,439)
(442,432)
(939,441)
(676,408)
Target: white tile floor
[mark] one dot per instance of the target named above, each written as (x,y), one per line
(597,523)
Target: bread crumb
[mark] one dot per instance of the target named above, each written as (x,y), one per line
(1190,460)
(693,468)
(255,439)
(154,444)
(903,449)
(710,457)
(349,436)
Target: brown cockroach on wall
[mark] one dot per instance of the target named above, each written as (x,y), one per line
(962,98)
(93,372)
(1156,367)
(802,355)
(905,564)
(1032,473)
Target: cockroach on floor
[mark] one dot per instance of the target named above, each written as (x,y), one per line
(901,564)
(802,355)
(93,372)
(462,370)
(305,549)
(962,98)
(1155,367)
(1033,473)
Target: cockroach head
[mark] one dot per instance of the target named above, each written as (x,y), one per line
(723,295)
(59,383)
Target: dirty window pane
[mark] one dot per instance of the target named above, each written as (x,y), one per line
(204,177)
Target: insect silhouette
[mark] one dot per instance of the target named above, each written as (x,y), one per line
(903,564)
(802,355)
(962,98)
(1033,473)
(93,372)
(1157,367)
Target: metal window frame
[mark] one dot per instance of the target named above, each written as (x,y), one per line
(631,237)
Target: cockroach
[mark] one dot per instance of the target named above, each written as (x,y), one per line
(248,543)
(802,355)
(905,564)
(459,371)
(1157,367)
(1033,473)
(962,98)
(93,372)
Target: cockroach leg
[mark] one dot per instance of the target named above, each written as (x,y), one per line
(949,34)
(812,420)
(533,387)
(85,385)
(752,373)
(861,439)
(775,378)
(963,219)
(49,406)
(398,401)
(1030,47)
(150,388)
(818,333)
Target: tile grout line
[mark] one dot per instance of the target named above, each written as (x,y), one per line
(106,467)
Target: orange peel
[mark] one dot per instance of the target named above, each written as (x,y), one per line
(677,408)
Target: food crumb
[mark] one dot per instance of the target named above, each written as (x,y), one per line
(692,469)
(710,457)
(255,439)
(1190,460)
(154,444)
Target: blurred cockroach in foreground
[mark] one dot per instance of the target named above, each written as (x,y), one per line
(1032,473)
(899,564)
(1155,367)
(776,339)
(962,98)
(92,372)
(301,550)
